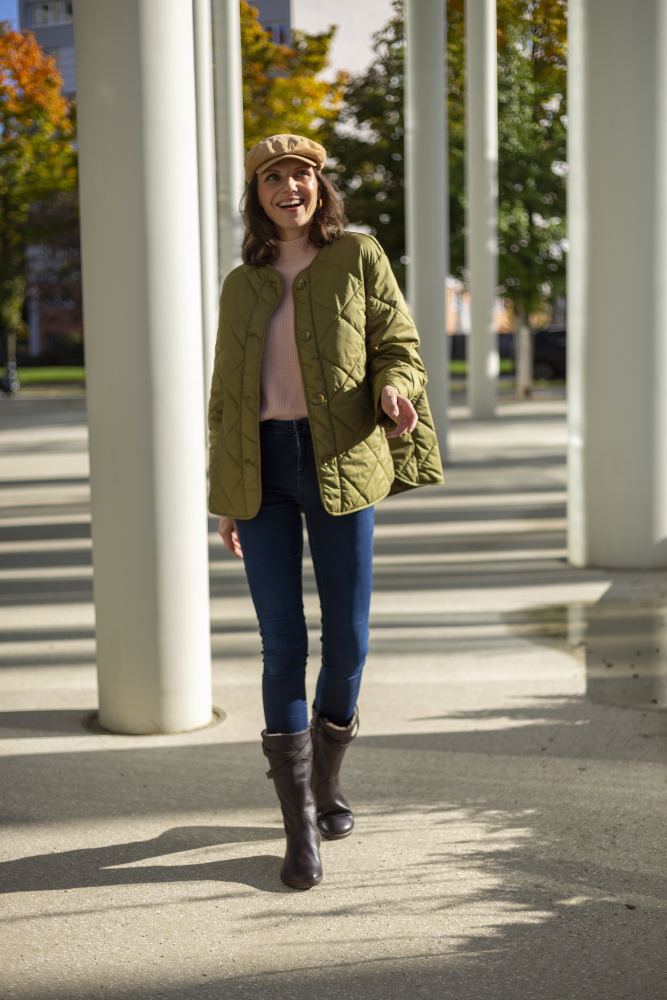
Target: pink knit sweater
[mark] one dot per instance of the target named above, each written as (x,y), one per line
(282,395)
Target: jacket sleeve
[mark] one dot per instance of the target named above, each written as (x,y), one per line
(392,340)
(215,398)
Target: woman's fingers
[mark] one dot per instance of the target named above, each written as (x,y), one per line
(389,402)
(228,533)
(236,545)
(400,410)
(407,418)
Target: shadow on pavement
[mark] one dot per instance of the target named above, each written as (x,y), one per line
(521,844)
(103,866)
(43,722)
(512,821)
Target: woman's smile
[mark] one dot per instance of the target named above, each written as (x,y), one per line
(291,205)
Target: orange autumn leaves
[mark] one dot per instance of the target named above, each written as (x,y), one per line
(30,86)
(36,127)
(37,157)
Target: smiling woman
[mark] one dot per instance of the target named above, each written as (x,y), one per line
(316,374)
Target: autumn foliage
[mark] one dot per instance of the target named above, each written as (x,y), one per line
(37,158)
(281,91)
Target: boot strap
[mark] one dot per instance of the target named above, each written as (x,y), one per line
(351,730)
(289,757)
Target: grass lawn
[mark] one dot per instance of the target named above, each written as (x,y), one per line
(460,368)
(61,374)
(41,376)
(49,376)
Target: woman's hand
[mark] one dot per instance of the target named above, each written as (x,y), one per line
(400,410)
(229,535)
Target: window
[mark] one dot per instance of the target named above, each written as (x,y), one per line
(280,34)
(43,15)
(64,56)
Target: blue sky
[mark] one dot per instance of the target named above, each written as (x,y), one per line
(8,11)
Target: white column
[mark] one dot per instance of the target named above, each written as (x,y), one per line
(617,290)
(229,130)
(142,312)
(482,203)
(208,228)
(426,184)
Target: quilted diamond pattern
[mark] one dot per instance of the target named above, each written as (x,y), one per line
(364,339)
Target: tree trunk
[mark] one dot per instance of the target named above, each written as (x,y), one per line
(523,354)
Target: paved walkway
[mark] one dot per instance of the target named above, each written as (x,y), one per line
(509,778)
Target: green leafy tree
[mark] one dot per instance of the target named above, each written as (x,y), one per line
(532,152)
(532,141)
(368,144)
(282,91)
(37,161)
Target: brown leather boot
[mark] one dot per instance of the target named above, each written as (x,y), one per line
(291,758)
(334,816)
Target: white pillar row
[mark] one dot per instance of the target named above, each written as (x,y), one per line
(229,130)
(617,285)
(142,313)
(208,212)
(426,186)
(482,203)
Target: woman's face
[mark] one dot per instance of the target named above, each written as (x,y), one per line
(288,194)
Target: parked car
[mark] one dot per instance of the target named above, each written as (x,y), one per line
(459,341)
(550,353)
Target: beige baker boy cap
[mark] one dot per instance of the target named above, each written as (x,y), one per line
(276,147)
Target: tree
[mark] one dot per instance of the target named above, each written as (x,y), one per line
(532,136)
(368,144)
(37,161)
(281,89)
(532,141)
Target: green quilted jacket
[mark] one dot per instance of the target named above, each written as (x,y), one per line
(354,336)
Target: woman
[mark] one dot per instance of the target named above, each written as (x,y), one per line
(316,371)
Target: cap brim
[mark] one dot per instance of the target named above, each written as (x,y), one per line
(286,156)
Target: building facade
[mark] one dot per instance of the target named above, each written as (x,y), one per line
(276,17)
(51,22)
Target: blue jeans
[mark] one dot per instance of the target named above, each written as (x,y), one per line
(342,552)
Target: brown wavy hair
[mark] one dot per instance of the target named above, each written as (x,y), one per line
(260,238)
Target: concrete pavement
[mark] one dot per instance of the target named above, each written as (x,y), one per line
(509,778)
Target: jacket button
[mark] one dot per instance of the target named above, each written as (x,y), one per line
(306,335)
(319,397)
(300,282)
